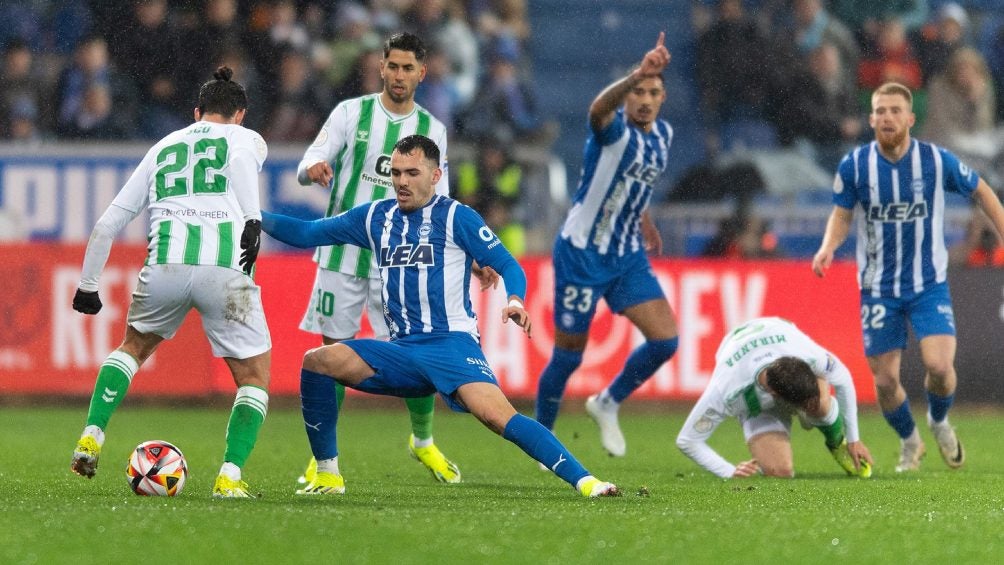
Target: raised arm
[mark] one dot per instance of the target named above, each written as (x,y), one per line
(604,107)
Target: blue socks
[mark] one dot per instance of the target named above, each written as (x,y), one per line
(539,443)
(640,365)
(938,406)
(320,413)
(901,419)
(551,386)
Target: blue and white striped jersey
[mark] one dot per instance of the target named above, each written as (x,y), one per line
(901,247)
(424,257)
(620,164)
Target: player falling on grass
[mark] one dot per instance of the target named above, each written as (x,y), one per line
(351,155)
(899,184)
(601,250)
(425,245)
(200,185)
(766,372)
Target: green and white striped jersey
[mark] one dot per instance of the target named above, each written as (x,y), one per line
(200,184)
(357,141)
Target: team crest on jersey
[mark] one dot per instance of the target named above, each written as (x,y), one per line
(407,255)
(917,185)
(425,230)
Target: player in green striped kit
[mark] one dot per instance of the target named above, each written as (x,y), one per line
(200,185)
(351,156)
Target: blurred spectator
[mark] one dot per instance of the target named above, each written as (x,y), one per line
(732,67)
(146,50)
(87,91)
(430,20)
(981,246)
(865,17)
(501,18)
(71,21)
(437,93)
(814,26)
(22,21)
(297,113)
(960,101)
(364,77)
(893,59)
(273,28)
(937,41)
(505,102)
(961,113)
(21,93)
(354,35)
(743,236)
(821,110)
(244,73)
(492,184)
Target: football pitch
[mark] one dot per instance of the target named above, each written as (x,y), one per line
(505,511)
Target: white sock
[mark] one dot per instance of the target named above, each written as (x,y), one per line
(328,466)
(97,433)
(233,472)
(607,401)
(420,443)
(580,482)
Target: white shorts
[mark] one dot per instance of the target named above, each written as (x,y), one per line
(228,301)
(336,306)
(776,419)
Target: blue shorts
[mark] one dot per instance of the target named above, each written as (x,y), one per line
(582,277)
(419,365)
(883,320)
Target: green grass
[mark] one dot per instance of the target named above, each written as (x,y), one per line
(505,511)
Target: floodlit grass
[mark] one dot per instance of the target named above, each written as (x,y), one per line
(505,511)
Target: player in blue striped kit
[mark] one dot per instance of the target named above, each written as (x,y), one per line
(899,185)
(601,250)
(424,246)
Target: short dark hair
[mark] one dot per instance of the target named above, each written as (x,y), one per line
(405,41)
(407,145)
(793,380)
(222,95)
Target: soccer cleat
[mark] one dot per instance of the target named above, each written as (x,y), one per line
(846,462)
(85,457)
(911,451)
(309,473)
(225,487)
(605,416)
(948,443)
(594,488)
(444,470)
(324,483)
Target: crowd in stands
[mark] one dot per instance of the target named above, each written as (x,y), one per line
(801,71)
(792,76)
(79,69)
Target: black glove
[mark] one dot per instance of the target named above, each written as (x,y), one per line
(250,243)
(86,302)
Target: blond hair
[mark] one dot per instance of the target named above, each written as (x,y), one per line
(891,88)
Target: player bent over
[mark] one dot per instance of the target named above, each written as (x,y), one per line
(424,245)
(766,372)
(189,180)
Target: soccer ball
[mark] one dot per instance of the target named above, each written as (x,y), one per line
(157,468)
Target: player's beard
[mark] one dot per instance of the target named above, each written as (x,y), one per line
(399,98)
(890,142)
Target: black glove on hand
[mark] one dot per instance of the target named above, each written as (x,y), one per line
(86,302)
(250,243)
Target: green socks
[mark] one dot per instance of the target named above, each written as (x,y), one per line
(246,419)
(421,410)
(110,387)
